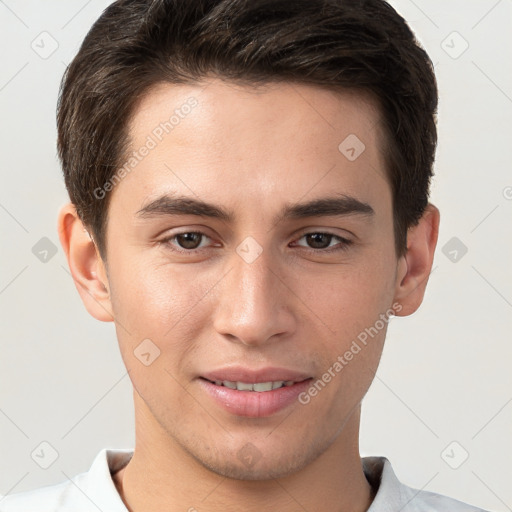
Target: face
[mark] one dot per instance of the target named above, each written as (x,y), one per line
(257,287)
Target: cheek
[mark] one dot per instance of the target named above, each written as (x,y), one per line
(356,305)
(153,298)
(156,311)
(353,298)
(166,304)
(357,311)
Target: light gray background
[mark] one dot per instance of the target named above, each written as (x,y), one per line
(445,373)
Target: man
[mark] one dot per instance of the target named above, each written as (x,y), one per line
(249,189)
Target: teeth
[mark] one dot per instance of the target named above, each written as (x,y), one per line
(258,386)
(243,386)
(262,386)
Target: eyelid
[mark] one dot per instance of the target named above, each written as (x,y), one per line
(346,234)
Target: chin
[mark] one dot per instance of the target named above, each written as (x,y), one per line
(249,463)
(269,470)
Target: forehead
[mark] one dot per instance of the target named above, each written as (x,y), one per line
(241,143)
(269,107)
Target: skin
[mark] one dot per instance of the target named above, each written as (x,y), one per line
(251,150)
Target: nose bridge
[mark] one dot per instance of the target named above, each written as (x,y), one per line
(252,304)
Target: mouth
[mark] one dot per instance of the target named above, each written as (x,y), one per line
(254,394)
(258,387)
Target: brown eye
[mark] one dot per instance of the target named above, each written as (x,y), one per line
(189,240)
(319,240)
(186,242)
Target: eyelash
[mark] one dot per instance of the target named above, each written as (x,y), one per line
(343,246)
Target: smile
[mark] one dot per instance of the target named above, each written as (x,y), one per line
(259,387)
(254,399)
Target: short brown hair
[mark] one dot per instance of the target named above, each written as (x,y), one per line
(341,44)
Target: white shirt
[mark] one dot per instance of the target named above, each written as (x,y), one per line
(95,491)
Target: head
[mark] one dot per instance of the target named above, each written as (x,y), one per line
(256,108)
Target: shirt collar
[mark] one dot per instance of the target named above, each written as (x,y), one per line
(99,486)
(389,493)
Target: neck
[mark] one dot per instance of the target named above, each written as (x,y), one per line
(162,476)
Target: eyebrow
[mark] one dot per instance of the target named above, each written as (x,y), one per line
(340,205)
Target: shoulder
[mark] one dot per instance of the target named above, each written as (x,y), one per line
(86,492)
(52,498)
(426,501)
(392,495)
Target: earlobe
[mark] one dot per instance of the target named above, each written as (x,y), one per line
(414,267)
(85,264)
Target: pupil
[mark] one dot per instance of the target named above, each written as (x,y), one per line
(188,240)
(315,238)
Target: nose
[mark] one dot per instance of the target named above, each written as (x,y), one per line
(254,303)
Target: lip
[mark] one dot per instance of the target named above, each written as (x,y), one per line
(254,404)
(250,376)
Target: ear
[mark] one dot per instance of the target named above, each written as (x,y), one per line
(86,266)
(414,267)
